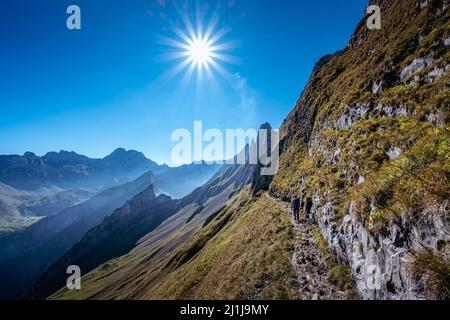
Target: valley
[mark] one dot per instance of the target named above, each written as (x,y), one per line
(27,252)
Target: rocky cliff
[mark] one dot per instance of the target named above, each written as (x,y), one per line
(367,148)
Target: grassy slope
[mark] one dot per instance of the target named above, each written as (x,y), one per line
(244,253)
(420,177)
(415,183)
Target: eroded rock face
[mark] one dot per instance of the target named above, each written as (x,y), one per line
(393,111)
(377,87)
(351,114)
(434,75)
(381,264)
(381,261)
(351,132)
(415,66)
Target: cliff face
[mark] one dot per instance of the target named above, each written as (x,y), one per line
(367,148)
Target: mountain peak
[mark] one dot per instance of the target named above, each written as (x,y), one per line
(265,126)
(29,154)
(64,152)
(119,151)
(64,156)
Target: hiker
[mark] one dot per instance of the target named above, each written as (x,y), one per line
(295,203)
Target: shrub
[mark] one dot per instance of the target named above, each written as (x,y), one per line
(434,272)
(341,276)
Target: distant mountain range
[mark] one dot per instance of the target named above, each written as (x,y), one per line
(48,203)
(71,170)
(155,224)
(33,187)
(19,208)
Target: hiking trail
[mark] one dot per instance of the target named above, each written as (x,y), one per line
(309,263)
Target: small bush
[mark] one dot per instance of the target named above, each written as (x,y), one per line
(434,272)
(341,276)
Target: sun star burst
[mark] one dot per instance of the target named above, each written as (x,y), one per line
(199,50)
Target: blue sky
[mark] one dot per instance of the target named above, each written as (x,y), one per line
(105,86)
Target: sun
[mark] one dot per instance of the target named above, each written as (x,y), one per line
(200,51)
(199,48)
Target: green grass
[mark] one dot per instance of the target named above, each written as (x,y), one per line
(244,253)
(420,177)
(249,258)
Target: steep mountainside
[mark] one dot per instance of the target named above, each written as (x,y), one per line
(367,148)
(115,236)
(194,211)
(242,252)
(26,254)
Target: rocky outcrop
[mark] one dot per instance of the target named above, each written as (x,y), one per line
(415,66)
(364,149)
(311,267)
(382,264)
(261,181)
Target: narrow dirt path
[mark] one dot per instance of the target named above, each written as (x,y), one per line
(310,265)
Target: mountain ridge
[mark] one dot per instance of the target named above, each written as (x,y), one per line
(194,211)
(69,169)
(27,253)
(113,237)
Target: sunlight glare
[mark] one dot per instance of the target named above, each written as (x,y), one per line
(200,51)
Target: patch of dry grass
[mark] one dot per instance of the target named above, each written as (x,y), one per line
(249,258)
(434,272)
